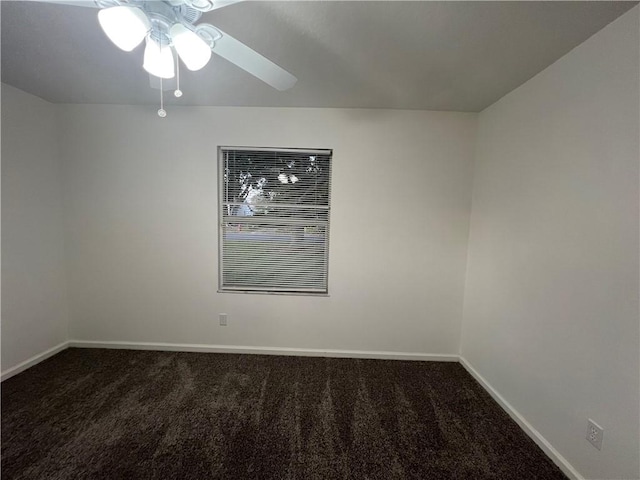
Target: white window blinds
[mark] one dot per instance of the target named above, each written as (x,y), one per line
(274,219)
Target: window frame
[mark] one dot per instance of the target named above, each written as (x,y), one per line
(220,224)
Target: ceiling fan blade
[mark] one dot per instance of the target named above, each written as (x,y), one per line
(248,59)
(208,5)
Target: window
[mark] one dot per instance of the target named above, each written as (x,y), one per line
(274,219)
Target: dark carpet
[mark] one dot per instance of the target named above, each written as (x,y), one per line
(117,414)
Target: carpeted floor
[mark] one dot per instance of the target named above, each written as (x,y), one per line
(117,414)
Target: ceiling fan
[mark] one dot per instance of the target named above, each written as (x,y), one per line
(168,26)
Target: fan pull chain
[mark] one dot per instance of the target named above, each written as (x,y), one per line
(162,112)
(178,92)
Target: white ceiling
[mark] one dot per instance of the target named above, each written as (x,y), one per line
(459,56)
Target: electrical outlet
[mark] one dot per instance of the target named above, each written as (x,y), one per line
(594,434)
(223,319)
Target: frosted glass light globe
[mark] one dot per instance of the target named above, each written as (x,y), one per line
(125,26)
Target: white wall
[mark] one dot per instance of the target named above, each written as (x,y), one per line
(34,304)
(141,211)
(551,302)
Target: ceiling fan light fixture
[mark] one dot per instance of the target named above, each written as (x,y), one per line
(158,59)
(192,50)
(125,26)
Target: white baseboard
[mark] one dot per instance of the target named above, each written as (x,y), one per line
(21,367)
(535,435)
(300,352)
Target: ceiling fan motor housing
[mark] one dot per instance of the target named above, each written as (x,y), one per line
(189,14)
(163,15)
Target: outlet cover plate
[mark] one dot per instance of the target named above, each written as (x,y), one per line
(223,319)
(594,434)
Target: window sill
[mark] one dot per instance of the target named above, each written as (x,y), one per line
(267,292)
